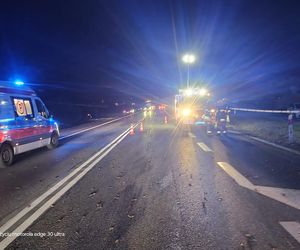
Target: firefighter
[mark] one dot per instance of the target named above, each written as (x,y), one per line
(220,124)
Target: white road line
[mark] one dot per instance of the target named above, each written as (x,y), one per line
(275,145)
(31,206)
(290,197)
(191,135)
(293,227)
(29,221)
(90,128)
(56,187)
(204,147)
(290,150)
(234,174)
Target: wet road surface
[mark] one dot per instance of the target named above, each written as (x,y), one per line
(160,188)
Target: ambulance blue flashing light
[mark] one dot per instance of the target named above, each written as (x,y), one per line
(19,83)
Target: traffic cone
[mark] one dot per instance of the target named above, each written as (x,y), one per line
(141,127)
(131,130)
(166,119)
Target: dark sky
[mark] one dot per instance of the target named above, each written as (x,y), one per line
(245,49)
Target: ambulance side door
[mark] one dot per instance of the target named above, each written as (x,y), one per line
(42,119)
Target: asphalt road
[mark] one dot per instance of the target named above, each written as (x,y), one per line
(160,188)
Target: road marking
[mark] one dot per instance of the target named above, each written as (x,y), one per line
(234,174)
(293,227)
(86,167)
(204,147)
(290,197)
(275,145)
(191,135)
(31,206)
(90,128)
(290,150)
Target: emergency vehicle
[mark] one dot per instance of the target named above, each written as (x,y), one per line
(25,122)
(190,106)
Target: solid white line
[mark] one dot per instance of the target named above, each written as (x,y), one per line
(36,202)
(191,135)
(30,220)
(88,129)
(266,142)
(275,145)
(290,197)
(293,227)
(204,147)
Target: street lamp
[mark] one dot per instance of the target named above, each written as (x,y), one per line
(188,59)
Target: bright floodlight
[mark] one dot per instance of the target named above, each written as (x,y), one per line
(203,91)
(188,58)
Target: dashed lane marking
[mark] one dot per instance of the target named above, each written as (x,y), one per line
(293,227)
(191,135)
(290,197)
(234,174)
(204,147)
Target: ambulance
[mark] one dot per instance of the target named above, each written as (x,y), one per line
(25,122)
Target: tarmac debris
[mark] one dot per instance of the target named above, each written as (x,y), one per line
(99,204)
(93,193)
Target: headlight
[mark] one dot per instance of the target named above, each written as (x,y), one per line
(186,112)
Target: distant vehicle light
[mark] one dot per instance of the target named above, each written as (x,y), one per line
(132,111)
(19,83)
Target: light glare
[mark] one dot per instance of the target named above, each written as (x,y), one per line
(188,58)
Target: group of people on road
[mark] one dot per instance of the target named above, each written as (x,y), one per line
(216,120)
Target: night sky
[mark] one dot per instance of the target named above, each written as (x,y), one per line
(84,50)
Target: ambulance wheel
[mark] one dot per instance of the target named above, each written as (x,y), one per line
(7,155)
(53,141)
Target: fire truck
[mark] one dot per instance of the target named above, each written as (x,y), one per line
(190,106)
